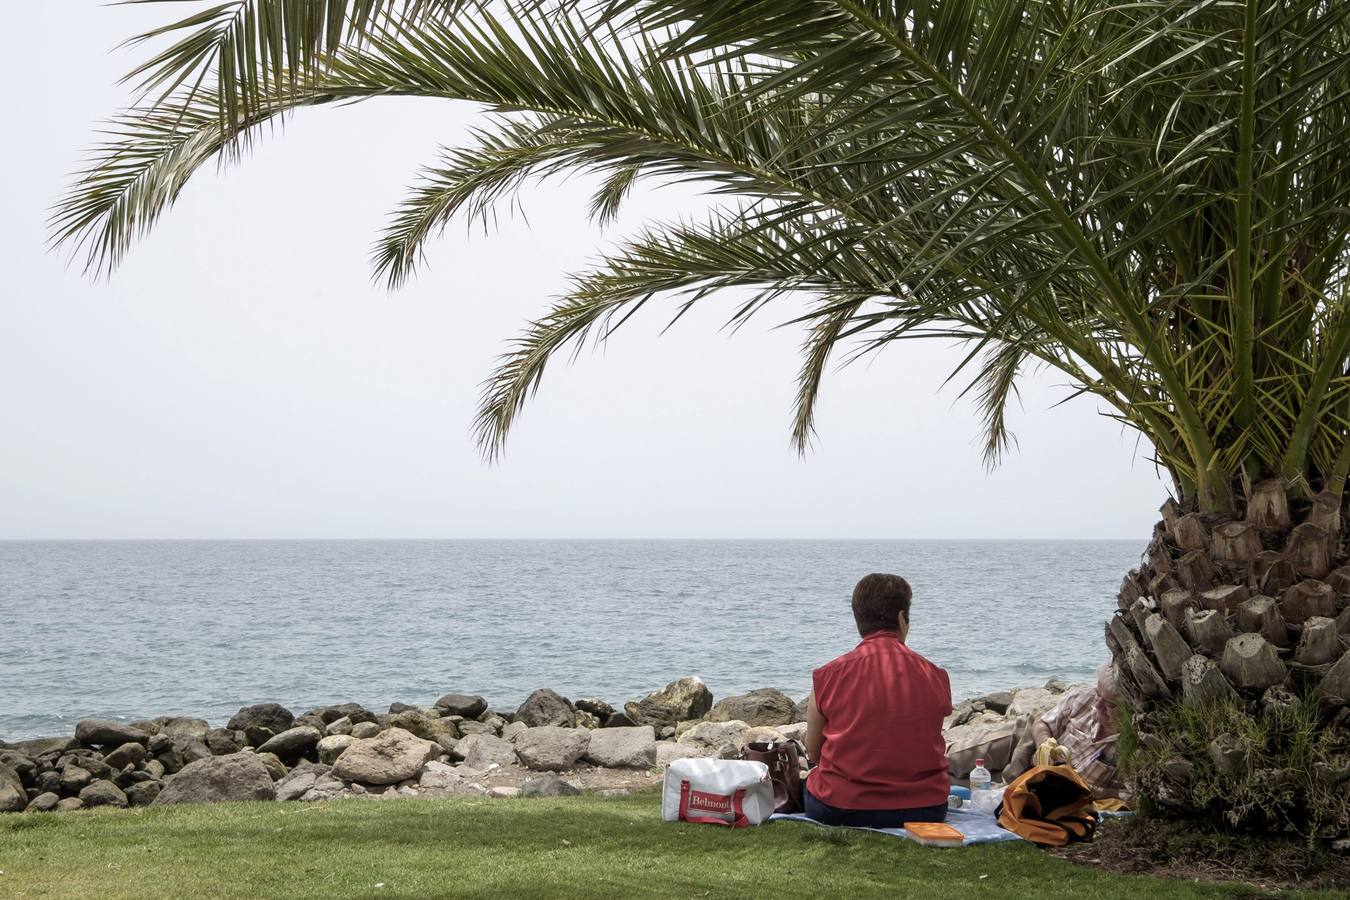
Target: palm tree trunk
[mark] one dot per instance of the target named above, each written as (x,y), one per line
(1232,650)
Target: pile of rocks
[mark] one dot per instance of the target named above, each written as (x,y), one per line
(458,745)
(997,728)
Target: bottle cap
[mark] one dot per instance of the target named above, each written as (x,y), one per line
(979,763)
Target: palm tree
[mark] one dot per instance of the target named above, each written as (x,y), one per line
(1151,197)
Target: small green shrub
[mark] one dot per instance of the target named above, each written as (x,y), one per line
(1291,774)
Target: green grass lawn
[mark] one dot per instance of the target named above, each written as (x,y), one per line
(580,846)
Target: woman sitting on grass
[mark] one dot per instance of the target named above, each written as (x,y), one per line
(874,722)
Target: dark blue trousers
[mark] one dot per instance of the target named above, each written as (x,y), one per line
(870,818)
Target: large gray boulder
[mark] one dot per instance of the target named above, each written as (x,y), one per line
(44,803)
(261,721)
(687,698)
(13,798)
(551,748)
(292,742)
(391,756)
(219,779)
(623,748)
(546,707)
(480,751)
(470,706)
(107,733)
(715,738)
(103,793)
(765,706)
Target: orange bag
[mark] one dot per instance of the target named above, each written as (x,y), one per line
(1050,806)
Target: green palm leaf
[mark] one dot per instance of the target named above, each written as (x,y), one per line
(1146,197)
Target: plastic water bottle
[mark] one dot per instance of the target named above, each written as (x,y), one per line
(981,788)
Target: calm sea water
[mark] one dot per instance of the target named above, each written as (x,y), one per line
(144,628)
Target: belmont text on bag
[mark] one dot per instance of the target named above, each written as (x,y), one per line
(731,792)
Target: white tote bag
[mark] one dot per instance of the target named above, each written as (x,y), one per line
(730,792)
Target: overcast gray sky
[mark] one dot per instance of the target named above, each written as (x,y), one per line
(240,376)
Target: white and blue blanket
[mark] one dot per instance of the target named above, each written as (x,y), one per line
(978,827)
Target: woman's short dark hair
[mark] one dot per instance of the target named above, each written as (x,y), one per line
(878,602)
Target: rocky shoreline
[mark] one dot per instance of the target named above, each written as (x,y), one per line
(548,746)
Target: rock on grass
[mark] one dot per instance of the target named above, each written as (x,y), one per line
(144,793)
(391,756)
(44,803)
(548,786)
(551,748)
(219,779)
(623,748)
(481,751)
(13,798)
(103,793)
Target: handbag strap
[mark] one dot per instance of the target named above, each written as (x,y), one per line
(737,809)
(781,753)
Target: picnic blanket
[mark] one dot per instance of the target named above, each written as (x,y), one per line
(978,827)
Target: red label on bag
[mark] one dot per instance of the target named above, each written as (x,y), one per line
(709,803)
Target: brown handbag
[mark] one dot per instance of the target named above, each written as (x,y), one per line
(784,761)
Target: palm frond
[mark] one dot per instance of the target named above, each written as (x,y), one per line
(1149,197)
(249,54)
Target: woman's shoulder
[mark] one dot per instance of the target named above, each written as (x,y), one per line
(835,664)
(923,662)
(897,651)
